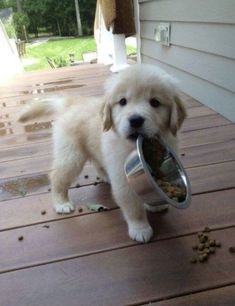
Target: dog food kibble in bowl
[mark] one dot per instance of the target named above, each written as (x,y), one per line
(163,169)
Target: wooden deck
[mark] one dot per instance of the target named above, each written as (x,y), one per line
(87,258)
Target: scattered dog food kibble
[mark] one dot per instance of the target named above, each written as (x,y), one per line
(206,229)
(46,226)
(80,210)
(203,257)
(43,212)
(205,247)
(203,238)
(200,246)
(86,176)
(212,250)
(193,260)
(207,251)
(200,234)
(20,238)
(212,243)
(232,249)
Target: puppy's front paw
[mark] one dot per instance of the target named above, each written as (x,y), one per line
(141,232)
(64,208)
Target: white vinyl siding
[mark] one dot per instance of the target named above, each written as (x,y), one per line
(202,51)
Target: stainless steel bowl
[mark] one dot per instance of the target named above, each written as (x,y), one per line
(139,176)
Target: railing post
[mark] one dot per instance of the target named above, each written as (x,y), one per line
(119,52)
(111,48)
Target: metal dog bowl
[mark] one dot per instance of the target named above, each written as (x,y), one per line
(147,186)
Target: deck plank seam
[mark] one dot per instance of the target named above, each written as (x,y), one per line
(186,293)
(107,250)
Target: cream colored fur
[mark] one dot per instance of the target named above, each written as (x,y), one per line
(98,129)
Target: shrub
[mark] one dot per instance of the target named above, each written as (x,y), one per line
(60,61)
(20,20)
(9,27)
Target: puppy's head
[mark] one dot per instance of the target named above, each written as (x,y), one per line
(142,99)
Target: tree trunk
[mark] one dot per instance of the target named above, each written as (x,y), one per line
(58,27)
(36,32)
(19,6)
(79,24)
(25,33)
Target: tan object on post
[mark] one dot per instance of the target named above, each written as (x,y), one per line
(120,15)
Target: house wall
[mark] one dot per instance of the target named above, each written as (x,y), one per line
(202,50)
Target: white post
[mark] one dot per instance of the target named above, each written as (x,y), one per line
(137,25)
(111,48)
(119,53)
(103,39)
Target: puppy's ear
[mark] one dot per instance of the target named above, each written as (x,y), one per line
(106,115)
(177,115)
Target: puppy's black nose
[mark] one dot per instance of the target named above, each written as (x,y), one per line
(136,121)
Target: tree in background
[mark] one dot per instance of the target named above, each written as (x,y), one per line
(20,22)
(52,16)
(87,11)
(59,17)
(8,3)
(8,22)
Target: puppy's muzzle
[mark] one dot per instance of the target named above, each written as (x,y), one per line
(136,121)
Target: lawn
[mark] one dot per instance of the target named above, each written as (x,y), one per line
(57,48)
(36,54)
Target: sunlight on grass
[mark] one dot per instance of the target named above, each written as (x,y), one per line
(57,48)
(35,58)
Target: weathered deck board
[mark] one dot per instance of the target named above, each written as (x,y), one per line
(197,123)
(26,151)
(221,296)
(207,136)
(196,137)
(197,155)
(74,237)
(212,177)
(125,276)
(200,111)
(86,257)
(207,154)
(37,183)
(31,206)
(203,179)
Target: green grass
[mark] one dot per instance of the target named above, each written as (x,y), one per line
(60,48)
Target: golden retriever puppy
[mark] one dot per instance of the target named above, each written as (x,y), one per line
(142,99)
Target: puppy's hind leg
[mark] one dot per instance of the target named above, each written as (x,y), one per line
(64,172)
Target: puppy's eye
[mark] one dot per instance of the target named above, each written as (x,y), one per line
(154,102)
(123,102)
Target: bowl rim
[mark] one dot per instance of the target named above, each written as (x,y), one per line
(186,202)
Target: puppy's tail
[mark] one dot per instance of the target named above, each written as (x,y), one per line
(40,108)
